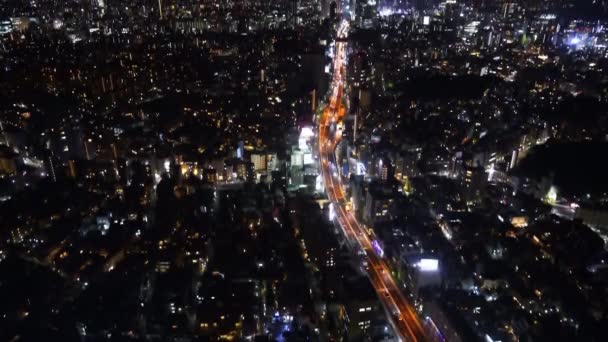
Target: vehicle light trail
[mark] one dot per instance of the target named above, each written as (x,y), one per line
(403,317)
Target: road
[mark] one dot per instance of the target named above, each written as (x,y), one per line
(403,317)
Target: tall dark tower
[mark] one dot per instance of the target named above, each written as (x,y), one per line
(293,12)
(333,10)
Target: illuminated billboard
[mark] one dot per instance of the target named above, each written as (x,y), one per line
(308,159)
(378,248)
(428,265)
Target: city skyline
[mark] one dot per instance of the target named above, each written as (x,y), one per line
(306,170)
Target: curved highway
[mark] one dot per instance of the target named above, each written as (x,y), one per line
(403,317)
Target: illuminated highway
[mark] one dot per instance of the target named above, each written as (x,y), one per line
(403,317)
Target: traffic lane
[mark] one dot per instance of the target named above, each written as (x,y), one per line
(386,278)
(393,295)
(377,268)
(387,296)
(387,291)
(397,300)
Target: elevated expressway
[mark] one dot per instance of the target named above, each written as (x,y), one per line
(403,317)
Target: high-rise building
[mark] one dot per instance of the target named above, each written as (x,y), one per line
(50,165)
(259,162)
(474,183)
(365,12)
(294,5)
(333,10)
(384,169)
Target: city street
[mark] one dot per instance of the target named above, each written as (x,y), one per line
(403,317)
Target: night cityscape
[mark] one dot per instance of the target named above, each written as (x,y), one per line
(303,170)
